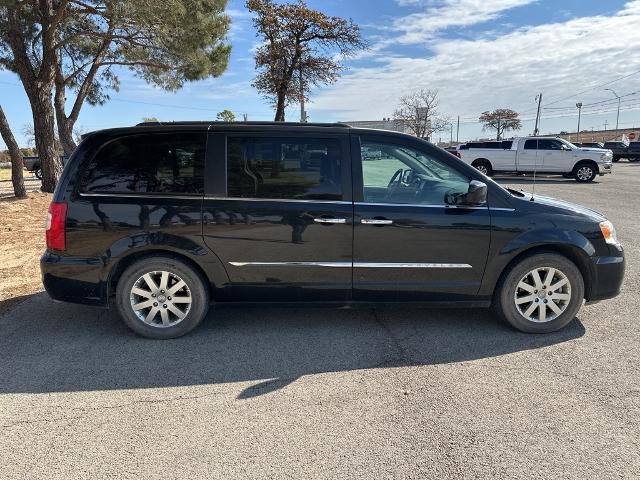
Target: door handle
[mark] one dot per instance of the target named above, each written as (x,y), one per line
(376,221)
(329,220)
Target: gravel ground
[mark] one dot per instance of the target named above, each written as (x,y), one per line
(316,393)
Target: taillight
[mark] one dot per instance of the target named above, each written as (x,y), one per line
(56,220)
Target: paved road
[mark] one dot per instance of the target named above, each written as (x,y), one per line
(313,393)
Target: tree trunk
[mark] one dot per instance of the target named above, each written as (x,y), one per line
(64,123)
(17,166)
(280,107)
(43,128)
(65,133)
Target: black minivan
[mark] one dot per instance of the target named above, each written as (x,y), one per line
(164,220)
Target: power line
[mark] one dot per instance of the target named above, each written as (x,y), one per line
(593,88)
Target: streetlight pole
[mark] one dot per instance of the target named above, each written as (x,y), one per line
(617,114)
(579,106)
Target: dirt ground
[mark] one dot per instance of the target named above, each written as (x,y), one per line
(22,241)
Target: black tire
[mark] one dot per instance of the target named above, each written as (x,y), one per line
(504,298)
(585,172)
(483,166)
(38,173)
(616,159)
(195,288)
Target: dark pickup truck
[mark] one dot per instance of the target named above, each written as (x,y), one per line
(33,165)
(621,150)
(633,152)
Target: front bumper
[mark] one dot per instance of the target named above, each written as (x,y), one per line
(608,274)
(605,168)
(73,279)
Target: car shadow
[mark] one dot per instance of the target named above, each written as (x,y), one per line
(52,347)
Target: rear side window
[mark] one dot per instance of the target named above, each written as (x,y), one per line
(284,168)
(151,163)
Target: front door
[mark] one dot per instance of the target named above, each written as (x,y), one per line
(283,224)
(409,245)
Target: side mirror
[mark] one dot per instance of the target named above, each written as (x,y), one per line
(476,195)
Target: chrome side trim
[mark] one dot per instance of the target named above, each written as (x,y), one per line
(410,265)
(292,264)
(502,209)
(148,197)
(286,200)
(349,264)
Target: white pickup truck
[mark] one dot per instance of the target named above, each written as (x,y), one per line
(538,154)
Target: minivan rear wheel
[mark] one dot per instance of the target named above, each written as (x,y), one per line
(540,294)
(161,297)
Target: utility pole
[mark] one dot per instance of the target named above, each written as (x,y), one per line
(458,131)
(498,132)
(579,106)
(617,114)
(451,138)
(539,99)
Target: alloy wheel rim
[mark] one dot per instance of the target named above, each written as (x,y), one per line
(542,295)
(160,299)
(585,173)
(482,169)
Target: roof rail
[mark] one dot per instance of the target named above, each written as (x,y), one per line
(259,123)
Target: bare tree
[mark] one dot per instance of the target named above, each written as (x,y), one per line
(500,120)
(17,178)
(418,112)
(301,48)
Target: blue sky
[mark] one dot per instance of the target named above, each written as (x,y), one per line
(479,54)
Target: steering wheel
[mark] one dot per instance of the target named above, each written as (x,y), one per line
(397,177)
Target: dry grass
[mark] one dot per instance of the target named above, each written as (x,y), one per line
(5,174)
(22,242)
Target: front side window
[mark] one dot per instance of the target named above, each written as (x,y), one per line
(393,173)
(150,163)
(284,168)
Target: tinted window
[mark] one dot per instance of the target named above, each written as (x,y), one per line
(284,168)
(531,145)
(399,174)
(150,163)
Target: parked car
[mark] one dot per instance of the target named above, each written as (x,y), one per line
(32,164)
(618,149)
(161,221)
(541,155)
(453,151)
(633,152)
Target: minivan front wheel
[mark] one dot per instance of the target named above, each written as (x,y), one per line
(161,297)
(540,294)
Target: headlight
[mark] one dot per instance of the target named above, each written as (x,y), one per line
(609,233)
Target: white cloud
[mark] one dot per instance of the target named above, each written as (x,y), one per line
(419,27)
(475,75)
